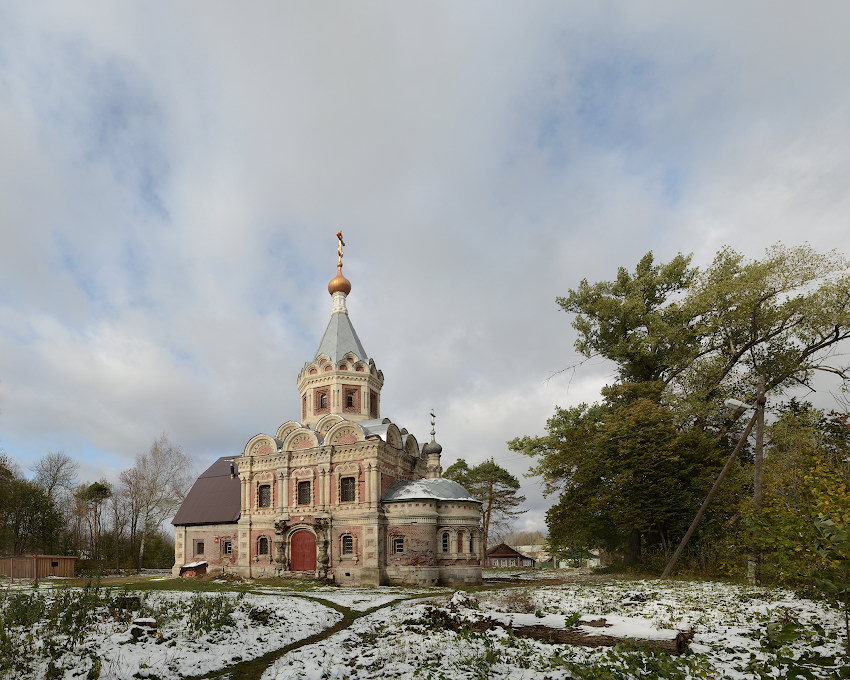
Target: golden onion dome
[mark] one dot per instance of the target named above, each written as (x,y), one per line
(339,284)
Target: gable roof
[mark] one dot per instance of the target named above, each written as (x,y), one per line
(504,550)
(340,338)
(213,498)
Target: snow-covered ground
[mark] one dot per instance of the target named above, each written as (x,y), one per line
(739,632)
(196,633)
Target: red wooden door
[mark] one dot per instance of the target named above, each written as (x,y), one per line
(302,548)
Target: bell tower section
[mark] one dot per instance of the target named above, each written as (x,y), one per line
(341,379)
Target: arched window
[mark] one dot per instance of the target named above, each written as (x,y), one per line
(348,545)
(263,546)
(445,541)
(472,543)
(460,541)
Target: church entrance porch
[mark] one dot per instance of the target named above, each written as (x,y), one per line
(302,551)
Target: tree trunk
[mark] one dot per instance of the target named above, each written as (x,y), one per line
(631,555)
(141,551)
(94,532)
(485,519)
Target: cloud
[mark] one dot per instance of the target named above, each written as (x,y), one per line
(171,180)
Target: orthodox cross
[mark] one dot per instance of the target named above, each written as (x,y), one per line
(339,248)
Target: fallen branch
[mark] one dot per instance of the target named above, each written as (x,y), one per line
(571,635)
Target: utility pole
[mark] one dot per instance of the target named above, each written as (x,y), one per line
(732,456)
(754,560)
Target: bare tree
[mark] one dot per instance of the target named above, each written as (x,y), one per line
(8,468)
(56,471)
(154,487)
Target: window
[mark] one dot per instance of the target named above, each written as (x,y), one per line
(199,547)
(348,545)
(264,497)
(304,493)
(321,400)
(446,542)
(373,403)
(346,491)
(398,546)
(303,407)
(54,564)
(351,399)
(263,546)
(460,541)
(226,548)
(472,544)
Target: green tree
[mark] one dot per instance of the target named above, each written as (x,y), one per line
(806,482)
(635,320)
(494,486)
(92,498)
(624,470)
(706,334)
(31,520)
(684,340)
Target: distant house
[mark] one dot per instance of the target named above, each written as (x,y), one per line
(36,566)
(504,555)
(537,552)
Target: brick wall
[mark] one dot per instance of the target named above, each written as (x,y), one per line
(419,545)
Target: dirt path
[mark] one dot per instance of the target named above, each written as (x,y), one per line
(253,669)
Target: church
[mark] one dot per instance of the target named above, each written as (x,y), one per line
(343,493)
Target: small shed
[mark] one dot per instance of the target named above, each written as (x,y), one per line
(193,569)
(37,566)
(504,555)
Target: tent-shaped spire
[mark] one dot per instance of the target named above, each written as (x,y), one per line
(340,338)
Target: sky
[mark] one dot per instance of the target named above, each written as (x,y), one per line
(172,176)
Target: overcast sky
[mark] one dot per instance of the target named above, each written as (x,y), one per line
(172,176)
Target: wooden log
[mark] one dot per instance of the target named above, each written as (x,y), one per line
(575,636)
(572,635)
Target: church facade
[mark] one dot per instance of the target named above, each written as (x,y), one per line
(342,493)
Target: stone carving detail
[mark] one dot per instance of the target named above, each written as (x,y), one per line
(347,469)
(301,441)
(345,437)
(322,527)
(286,429)
(261,447)
(279,548)
(393,437)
